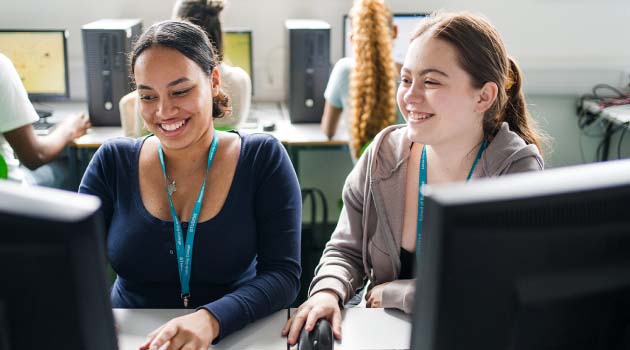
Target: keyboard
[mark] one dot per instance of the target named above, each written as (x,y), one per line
(42,125)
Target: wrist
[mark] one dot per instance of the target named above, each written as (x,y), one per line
(212,321)
(330,293)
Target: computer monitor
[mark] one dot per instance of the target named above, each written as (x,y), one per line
(237,50)
(41,60)
(531,261)
(406,23)
(53,288)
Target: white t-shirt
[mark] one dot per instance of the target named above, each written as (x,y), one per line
(15,111)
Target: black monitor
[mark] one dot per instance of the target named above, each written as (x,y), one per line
(530,261)
(406,23)
(41,59)
(53,288)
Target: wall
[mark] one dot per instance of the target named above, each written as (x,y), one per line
(563,46)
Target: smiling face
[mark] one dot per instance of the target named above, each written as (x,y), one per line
(436,95)
(175,96)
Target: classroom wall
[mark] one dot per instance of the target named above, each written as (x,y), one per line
(563,46)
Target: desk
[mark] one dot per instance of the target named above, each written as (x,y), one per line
(362,329)
(618,116)
(295,137)
(373,329)
(264,334)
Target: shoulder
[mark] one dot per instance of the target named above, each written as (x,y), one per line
(233,73)
(343,67)
(509,153)
(259,143)
(119,149)
(387,152)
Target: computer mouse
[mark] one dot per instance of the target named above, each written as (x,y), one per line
(320,338)
(269,126)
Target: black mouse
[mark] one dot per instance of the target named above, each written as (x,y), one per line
(269,126)
(320,338)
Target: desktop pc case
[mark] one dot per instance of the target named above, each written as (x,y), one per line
(309,67)
(106,46)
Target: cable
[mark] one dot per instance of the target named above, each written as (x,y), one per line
(625,125)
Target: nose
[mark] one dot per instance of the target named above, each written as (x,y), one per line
(166,108)
(413,94)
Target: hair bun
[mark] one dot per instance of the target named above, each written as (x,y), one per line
(215,5)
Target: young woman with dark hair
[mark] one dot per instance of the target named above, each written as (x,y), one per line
(196,218)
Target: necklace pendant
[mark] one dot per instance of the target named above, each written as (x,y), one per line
(170,188)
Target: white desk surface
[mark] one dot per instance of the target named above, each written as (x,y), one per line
(134,325)
(373,329)
(362,329)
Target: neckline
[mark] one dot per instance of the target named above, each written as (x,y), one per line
(139,204)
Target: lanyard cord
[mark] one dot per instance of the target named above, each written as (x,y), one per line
(423,181)
(184,252)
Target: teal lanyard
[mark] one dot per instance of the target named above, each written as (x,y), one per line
(184,253)
(423,182)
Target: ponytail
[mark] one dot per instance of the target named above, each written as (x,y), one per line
(515,112)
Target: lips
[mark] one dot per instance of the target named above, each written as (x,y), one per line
(172,126)
(417,116)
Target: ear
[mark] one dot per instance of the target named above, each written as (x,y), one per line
(215,80)
(394,32)
(486,97)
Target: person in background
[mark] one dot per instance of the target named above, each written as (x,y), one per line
(364,87)
(467,118)
(235,196)
(234,81)
(34,164)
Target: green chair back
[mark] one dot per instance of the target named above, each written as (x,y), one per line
(4,169)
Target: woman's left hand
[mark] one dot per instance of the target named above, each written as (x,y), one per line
(192,331)
(374,297)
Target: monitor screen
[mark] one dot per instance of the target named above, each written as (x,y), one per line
(53,286)
(40,57)
(531,261)
(237,50)
(406,23)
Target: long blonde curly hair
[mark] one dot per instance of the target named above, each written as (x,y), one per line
(372,82)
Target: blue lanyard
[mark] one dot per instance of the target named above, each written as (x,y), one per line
(423,182)
(184,253)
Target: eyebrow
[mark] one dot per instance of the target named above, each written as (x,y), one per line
(427,71)
(172,83)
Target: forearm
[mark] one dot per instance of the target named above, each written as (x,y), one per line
(265,294)
(34,151)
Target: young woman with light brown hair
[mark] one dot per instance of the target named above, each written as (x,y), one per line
(462,97)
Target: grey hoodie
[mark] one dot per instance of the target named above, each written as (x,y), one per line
(366,242)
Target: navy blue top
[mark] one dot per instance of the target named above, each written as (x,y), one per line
(246,260)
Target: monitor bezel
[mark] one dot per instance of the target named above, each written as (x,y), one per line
(248,31)
(37,97)
(394,15)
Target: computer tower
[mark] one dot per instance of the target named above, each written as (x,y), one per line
(106,45)
(309,67)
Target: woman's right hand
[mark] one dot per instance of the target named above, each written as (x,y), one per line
(323,304)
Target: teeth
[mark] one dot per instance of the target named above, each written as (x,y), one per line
(418,115)
(173,126)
